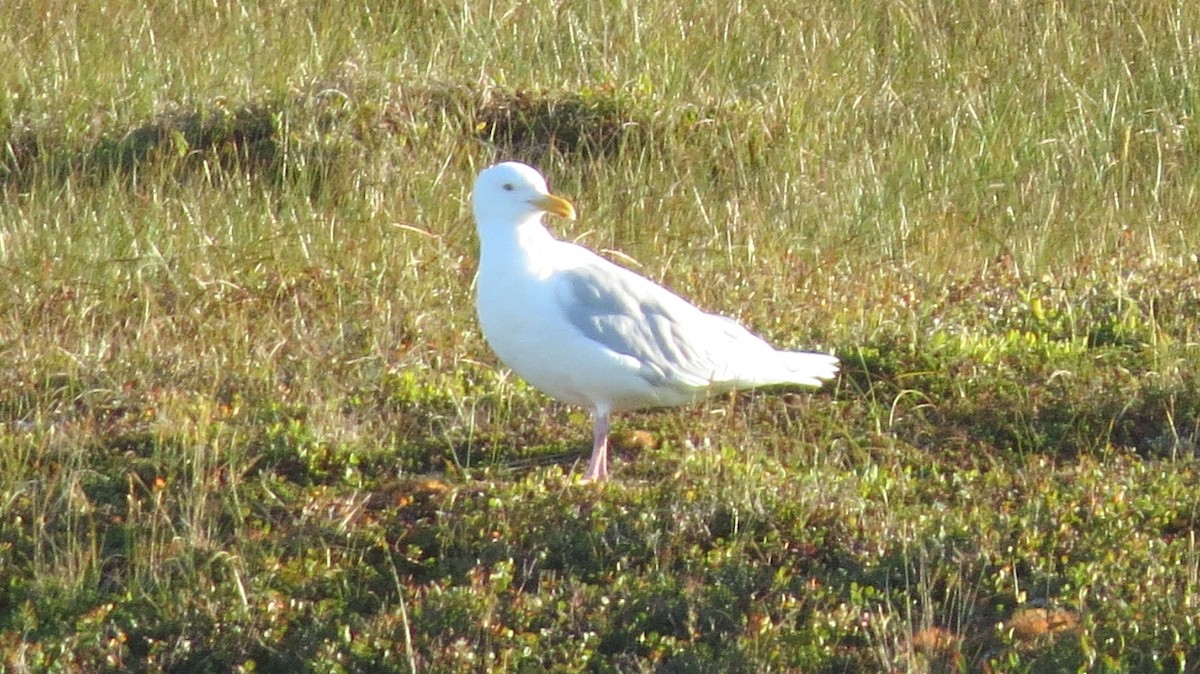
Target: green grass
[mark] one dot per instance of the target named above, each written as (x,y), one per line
(248,422)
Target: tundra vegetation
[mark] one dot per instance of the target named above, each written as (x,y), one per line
(248,422)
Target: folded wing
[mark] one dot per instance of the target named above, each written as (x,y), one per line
(675,343)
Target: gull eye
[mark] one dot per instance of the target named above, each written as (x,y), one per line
(508,187)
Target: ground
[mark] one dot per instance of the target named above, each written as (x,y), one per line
(248,422)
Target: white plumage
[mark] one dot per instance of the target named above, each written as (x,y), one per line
(588,332)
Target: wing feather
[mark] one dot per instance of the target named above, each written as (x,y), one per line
(676,343)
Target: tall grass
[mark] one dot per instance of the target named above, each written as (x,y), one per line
(247,421)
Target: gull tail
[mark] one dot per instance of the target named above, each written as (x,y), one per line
(802,367)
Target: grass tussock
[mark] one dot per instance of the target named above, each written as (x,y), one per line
(196,141)
(247,422)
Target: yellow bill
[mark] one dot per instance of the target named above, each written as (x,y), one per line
(556,205)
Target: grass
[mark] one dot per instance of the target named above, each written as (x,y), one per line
(247,421)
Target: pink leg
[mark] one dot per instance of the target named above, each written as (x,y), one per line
(598,467)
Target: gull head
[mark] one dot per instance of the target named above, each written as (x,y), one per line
(512,193)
